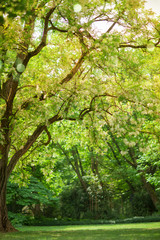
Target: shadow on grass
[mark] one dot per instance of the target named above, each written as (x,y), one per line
(126,234)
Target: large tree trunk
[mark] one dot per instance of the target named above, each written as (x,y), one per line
(5,224)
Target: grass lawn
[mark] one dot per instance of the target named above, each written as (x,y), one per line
(139,231)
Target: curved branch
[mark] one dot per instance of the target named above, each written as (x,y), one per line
(75,69)
(31,140)
(55,28)
(43,40)
(49,136)
(90,108)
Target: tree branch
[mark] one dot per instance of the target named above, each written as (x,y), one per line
(49,136)
(43,40)
(90,108)
(75,69)
(112,26)
(31,140)
(55,28)
(132,46)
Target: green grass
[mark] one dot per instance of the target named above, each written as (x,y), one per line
(139,231)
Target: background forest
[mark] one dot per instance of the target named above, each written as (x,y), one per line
(79,111)
(86,175)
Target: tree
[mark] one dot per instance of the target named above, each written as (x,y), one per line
(41,85)
(109,168)
(127,152)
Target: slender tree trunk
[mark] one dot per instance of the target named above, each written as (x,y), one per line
(150,191)
(36,209)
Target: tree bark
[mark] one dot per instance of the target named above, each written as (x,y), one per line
(5,224)
(150,191)
(8,93)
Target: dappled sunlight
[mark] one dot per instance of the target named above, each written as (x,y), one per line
(103,234)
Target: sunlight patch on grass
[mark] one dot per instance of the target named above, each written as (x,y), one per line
(142,231)
(92,227)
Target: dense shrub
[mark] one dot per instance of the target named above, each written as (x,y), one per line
(18,219)
(55,222)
